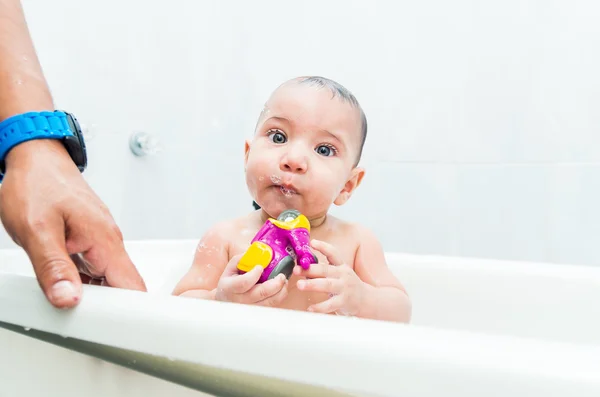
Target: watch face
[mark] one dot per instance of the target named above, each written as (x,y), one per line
(76,144)
(73,124)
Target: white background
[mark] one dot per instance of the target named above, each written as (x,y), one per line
(483,116)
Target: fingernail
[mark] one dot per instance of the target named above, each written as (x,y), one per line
(64,290)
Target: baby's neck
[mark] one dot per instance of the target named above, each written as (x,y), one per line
(317,222)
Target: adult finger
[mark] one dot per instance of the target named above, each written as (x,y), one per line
(119,270)
(56,273)
(330,252)
(123,274)
(329,285)
(265,290)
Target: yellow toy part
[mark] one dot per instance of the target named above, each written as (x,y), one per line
(259,253)
(300,222)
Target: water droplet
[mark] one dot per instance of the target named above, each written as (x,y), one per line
(201,247)
(208,265)
(275,179)
(27,328)
(89,131)
(19,82)
(277,241)
(261,178)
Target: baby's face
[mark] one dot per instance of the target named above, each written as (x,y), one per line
(303,152)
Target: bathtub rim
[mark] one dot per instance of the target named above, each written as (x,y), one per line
(415,349)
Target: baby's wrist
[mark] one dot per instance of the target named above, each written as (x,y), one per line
(366,301)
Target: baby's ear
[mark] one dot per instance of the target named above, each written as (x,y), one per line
(246,151)
(353,182)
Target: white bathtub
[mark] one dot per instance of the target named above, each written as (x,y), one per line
(480,328)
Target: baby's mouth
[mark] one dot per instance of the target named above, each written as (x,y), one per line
(287,191)
(286,188)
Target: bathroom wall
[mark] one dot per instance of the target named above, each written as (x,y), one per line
(483,116)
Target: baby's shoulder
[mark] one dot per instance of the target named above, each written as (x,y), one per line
(353,239)
(226,229)
(350,230)
(355,236)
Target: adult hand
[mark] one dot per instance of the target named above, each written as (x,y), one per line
(242,288)
(49,209)
(345,288)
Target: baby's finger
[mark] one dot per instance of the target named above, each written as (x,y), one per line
(231,268)
(318,270)
(330,285)
(260,292)
(242,283)
(328,250)
(329,306)
(276,299)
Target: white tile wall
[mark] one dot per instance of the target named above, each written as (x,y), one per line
(503,211)
(574,227)
(483,116)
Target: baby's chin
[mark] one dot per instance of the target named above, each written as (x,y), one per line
(273,210)
(273,206)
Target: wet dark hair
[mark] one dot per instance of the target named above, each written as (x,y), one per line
(256,206)
(342,92)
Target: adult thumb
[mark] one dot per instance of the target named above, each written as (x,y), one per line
(56,273)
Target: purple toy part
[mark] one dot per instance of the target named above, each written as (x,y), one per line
(301,244)
(283,242)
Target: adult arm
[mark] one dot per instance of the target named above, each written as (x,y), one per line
(45,204)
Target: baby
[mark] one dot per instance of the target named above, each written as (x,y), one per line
(304,156)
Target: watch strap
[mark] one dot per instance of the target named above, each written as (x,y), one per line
(29,126)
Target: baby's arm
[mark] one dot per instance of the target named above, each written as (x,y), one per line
(385,298)
(212,255)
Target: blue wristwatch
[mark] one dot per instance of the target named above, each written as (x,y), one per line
(43,125)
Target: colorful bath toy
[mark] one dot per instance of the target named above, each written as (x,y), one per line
(279,245)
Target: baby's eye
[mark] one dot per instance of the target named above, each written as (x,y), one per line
(277,136)
(325,150)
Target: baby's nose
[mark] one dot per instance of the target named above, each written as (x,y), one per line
(294,163)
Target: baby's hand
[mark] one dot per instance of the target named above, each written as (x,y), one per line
(242,288)
(345,288)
